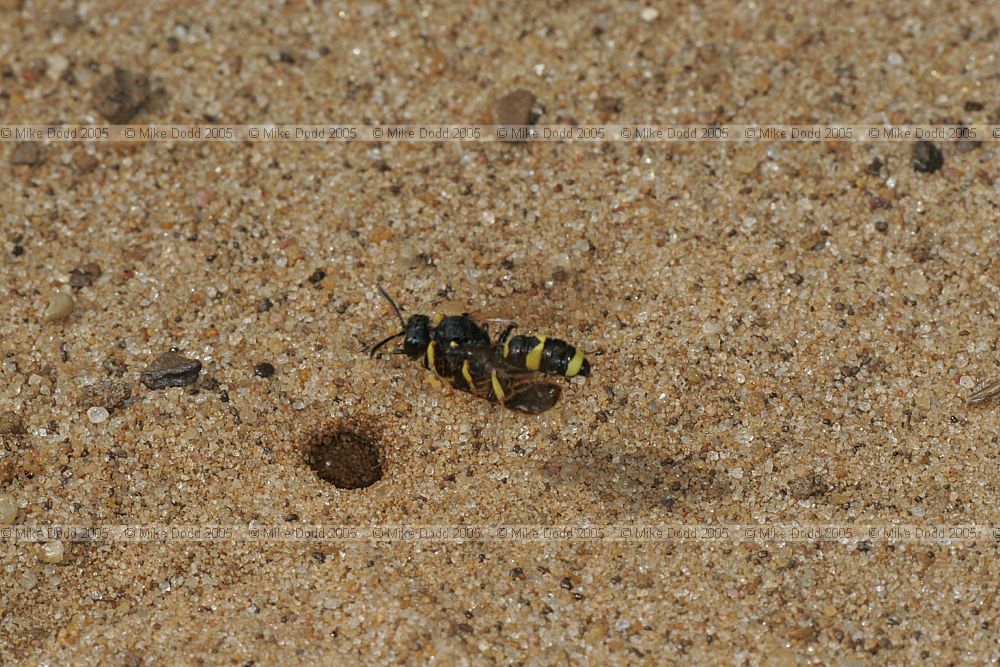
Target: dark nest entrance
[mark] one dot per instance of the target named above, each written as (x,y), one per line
(347,456)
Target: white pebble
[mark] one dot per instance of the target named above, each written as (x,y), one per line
(648,14)
(967,382)
(59,307)
(97,414)
(917,284)
(52,552)
(711,327)
(57,66)
(8,510)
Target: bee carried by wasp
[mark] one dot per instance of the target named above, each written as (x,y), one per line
(512,370)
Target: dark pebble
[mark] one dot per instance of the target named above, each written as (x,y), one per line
(85,163)
(85,275)
(114,365)
(876,203)
(347,458)
(926,157)
(515,108)
(17,250)
(263,370)
(121,95)
(317,276)
(171,370)
(11,424)
(972,105)
(27,153)
(264,305)
(210,383)
(882,226)
(874,167)
(607,105)
(966,144)
(108,394)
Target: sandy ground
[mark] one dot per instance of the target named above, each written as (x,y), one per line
(779,332)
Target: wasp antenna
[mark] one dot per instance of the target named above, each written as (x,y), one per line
(374,349)
(392,303)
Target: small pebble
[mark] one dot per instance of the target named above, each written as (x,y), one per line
(57,64)
(11,424)
(263,370)
(27,153)
(107,394)
(97,414)
(8,510)
(84,163)
(916,284)
(926,157)
(514,108)
(120,95)
(608,105)
(317,276)
(170,370)
(649,14)
(52,552)
(85,275)
(59,307)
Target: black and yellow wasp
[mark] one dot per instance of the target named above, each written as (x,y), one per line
(510,371)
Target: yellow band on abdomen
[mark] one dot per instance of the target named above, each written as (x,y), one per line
(534,359)
(575,364)
(466,372)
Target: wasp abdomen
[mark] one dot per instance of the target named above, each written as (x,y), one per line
(548,355)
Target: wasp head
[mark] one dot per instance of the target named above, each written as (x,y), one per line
(416,335)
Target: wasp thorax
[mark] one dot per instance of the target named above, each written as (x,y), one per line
(461,330)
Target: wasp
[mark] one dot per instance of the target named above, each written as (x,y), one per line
(455,347)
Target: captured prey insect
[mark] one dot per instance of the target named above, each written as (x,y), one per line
(509,371)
